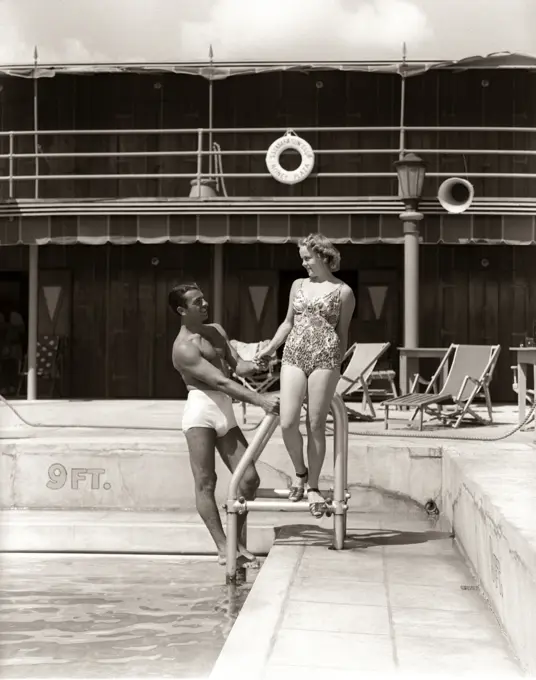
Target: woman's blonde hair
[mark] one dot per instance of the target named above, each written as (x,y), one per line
(323,248)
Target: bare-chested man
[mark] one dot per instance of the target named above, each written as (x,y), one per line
(203,355)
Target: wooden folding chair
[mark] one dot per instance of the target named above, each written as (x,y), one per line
(470,374)
(359,373)
(258,382)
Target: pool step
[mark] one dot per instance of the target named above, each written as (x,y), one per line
(141,532)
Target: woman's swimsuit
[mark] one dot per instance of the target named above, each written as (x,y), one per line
(313,342)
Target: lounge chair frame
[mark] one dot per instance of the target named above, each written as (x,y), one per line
(456,391)
(258,382)
(350,384)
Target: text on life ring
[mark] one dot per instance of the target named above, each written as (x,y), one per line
(283,144)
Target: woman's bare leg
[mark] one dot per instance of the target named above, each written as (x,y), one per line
(293,389)
(321,388)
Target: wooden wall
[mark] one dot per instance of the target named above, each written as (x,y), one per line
(499,98)
(479,295)
(344,99)
(120,329)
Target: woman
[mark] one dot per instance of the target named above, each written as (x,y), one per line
(316,333)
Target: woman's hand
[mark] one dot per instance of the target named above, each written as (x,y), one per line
(263,356)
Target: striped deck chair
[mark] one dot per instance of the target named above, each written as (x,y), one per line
(258,382)
(359,372)
(470,374)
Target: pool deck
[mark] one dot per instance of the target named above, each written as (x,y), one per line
(383,604)
(399,599)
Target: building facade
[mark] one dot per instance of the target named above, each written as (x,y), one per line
(97,172)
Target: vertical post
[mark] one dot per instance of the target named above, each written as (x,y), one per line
(411,237)
(33,289)
(218,283)
(402,133)
(262,435)
(11,151)
(232,545)
(411,277)
(199,160)
(210,113)
(36,126)
(340,463)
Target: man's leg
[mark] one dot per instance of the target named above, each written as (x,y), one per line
(201,445)
(231,448)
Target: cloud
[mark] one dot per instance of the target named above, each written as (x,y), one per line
(178,30)
(173,30)
(305,29)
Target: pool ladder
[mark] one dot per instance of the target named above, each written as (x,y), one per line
(272,499)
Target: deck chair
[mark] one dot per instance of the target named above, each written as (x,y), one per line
(258,382)
(360,371)
(470,374)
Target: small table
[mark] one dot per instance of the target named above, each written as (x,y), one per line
(525,357)
(409,363)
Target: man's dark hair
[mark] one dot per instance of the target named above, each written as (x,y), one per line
(176,295)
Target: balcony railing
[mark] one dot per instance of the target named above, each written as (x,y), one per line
(350,162)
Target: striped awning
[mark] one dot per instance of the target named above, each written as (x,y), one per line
(221,70)
(261,228)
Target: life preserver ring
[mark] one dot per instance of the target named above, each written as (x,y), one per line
(290,140)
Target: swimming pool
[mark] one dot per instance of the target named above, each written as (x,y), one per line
(113,616)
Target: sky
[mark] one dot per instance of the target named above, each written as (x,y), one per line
(80,31)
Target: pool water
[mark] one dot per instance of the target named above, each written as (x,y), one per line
(113,616)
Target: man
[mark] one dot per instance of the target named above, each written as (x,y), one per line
(203,356)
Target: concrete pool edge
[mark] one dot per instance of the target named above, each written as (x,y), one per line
(489,499)
(481,493)
(249,643)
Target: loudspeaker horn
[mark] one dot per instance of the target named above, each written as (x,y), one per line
(456,194)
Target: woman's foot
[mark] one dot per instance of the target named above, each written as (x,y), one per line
(317,503)
(297,490)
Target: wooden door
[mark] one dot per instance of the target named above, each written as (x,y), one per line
(474,306)
(377,312)
(484,327)
(258,306)
(168,384)
(13,328)
(123,329)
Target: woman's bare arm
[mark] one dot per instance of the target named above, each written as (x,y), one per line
(284,329)
(347,311)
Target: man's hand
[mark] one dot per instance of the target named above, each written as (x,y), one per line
(245,368)
(262,363)
(270,404)
(263,358)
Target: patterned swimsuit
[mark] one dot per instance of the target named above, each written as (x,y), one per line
(313,342)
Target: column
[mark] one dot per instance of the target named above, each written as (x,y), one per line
(410,221)
(33,298)
(217,312)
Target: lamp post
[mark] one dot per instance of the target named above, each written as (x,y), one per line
(411,171)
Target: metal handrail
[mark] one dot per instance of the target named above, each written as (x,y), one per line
(198,153)
(262,152)
(260,130)
(255,175)
(239,505)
